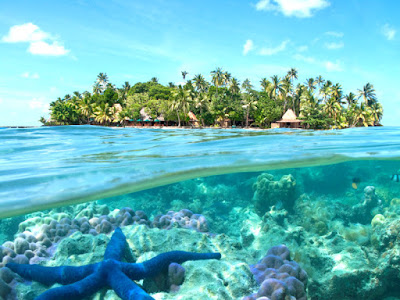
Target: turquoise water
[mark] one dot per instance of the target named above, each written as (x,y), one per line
(333,197)
(51,166)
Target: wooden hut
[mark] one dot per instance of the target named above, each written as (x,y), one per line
(289,120)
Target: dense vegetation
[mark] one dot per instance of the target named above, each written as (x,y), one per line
(320,103)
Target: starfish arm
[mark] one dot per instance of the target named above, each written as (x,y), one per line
(161,262)
(116,248)
(125,288)
(51,275)
(77,290)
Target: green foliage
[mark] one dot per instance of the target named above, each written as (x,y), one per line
(319,103)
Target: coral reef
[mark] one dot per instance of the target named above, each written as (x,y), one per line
(183,219)
(279,277)
(362,212)
(80,282)
(268,193)
(39,235)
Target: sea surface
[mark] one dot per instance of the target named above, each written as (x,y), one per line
(333,197)
(47,167)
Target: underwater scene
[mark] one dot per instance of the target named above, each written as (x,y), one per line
(101,213)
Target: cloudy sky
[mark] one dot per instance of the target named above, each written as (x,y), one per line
(51,48)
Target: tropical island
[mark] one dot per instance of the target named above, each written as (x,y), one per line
(224,102)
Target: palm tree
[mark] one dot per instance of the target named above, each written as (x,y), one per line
(266,85)
(202,102)
(292,74)
(350,99)
(368,94)
(181,100)
(286,91)
(86,108)
(333,109)
(276,86)
(326,90)
(364,114)
(200,83)
(234,86)
(337,93)
(310,83)
(97,88)
(246,85)
(217,78)
(123,116)
(154,79)
(249,102)
(320,81)
(103,113)
(102,78)
(184,74)
(171,85)
(126,86)
(226,78)
(377,112)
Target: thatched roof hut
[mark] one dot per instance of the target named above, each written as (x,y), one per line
(289,120)
(193,119)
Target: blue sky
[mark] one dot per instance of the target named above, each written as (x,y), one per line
(51,48)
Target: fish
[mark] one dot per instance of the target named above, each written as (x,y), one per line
(396,177)
(355,182)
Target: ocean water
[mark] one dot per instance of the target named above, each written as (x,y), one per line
(333,197)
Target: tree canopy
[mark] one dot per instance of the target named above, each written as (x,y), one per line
(318,102)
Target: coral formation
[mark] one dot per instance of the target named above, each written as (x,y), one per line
(362,212)
(82,281)
(279,277)
(39,236)
(269,192)
(183,219)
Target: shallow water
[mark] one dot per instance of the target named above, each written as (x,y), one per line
(47,167)
(256,189)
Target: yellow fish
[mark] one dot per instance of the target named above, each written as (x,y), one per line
(355,182)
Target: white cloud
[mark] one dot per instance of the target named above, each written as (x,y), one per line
(44,48)
(389,32)
(334,46)
(39,104)
(302,48)
(335,34)
(333,66)
(25,33)
(296,8)
(248,46)
(274,50)
(30,76)
(307,59)
(40,42)
(328,65)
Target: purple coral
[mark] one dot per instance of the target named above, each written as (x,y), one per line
(39,244)
(182,219)
(279,276)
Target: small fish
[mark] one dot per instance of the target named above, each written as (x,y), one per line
(396,177)
(355,182)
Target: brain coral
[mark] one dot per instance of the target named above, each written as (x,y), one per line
(269,192)
(280,278)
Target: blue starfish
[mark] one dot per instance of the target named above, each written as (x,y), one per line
(83,281)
